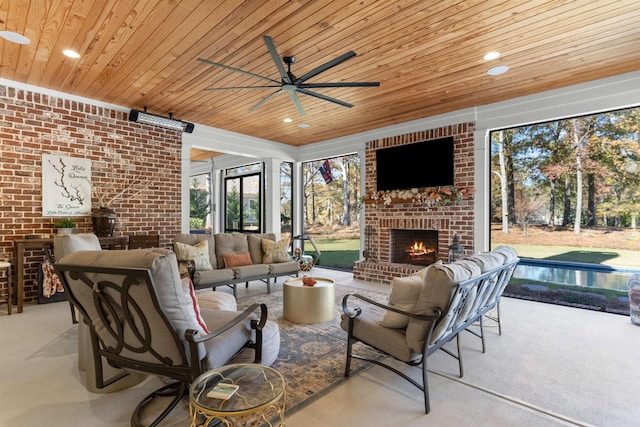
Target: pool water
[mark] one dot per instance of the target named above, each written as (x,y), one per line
(574,274)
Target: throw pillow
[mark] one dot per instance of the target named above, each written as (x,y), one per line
(275,251)
(237,259)
(403,296)
(199,254)
(50,280)
(187,287)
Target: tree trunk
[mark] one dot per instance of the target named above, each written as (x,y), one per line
(552,203)
(346,211)
(591,201)
(511,190)
(566,216)
(576,145)
(503,185)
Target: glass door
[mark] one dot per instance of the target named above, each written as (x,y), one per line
(243,201)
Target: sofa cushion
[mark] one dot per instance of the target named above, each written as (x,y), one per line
(439,285)
(198,253)
(237,259)
(227,243)
(284,267)
(212,277)
(275,251)
(249,271)
(403,296)
(193,239)
(255,245)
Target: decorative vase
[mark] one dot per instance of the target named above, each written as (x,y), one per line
(104,221)
(65,230)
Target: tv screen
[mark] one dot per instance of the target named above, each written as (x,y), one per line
(421,164)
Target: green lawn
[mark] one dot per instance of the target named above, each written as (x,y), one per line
(338,253)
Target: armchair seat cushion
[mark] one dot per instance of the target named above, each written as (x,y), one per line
(270,346)
(367,328)
(216,300)
(222,348)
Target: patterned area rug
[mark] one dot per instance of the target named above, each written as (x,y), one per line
(312,357)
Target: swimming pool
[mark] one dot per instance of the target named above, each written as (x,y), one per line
(575,274)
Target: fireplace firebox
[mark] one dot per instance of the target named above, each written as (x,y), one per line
(417,247)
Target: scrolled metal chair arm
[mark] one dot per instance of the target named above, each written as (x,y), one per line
(432,313)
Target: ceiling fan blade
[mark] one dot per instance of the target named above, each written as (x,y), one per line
(326,98)
(276,59)
(340,59)
(239,87)
(339,84)
(265,100)
(296,100)
(206,61)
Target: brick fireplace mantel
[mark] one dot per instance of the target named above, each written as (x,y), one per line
(448,219)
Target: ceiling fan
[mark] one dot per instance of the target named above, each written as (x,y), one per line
(290,83)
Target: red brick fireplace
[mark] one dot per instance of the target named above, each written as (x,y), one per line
(384,218)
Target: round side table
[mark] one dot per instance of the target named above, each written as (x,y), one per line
(259,398)
(309,304)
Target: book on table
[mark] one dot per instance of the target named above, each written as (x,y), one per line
(223,391)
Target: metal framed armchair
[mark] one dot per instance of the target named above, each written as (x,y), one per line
(445,301)
(142,319)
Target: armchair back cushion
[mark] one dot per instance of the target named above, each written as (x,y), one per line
(439,285)
(173,299)
(64,244)
(404,294)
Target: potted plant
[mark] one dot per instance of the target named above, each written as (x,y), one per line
(65,225)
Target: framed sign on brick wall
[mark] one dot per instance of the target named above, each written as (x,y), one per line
(66,186)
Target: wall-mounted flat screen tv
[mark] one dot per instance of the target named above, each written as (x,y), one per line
(416,165)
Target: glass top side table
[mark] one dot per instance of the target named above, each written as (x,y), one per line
(260,396)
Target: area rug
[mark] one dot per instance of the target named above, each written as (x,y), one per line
(312,357)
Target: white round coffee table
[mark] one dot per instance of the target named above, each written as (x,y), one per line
(309,304)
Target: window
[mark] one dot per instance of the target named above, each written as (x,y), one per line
(286,199)
(565,195)
(200,198)
(243,203)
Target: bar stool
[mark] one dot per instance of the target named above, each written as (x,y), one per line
(7,265)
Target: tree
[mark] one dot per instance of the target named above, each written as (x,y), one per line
(233,207)
(199,205)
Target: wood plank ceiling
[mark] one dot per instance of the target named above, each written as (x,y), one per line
(427,55)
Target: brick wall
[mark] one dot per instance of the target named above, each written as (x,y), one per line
(33,124)
(448,220)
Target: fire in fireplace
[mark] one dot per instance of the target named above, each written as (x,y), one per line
(418,247)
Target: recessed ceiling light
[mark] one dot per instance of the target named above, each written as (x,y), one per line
(491,55)
(303,125)
(71,53)
(14,37)
(500,69)
(287,120)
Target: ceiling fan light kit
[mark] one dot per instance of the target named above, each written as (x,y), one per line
(160,121)
(291,84)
